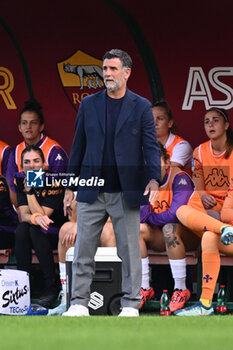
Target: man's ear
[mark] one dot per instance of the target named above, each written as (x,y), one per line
(127,73)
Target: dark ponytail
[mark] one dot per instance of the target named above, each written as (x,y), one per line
(163,104)
(32,105)
(164,154)
(229,149)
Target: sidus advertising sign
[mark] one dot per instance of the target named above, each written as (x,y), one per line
(14,292)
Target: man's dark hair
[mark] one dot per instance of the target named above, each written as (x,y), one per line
(122,55)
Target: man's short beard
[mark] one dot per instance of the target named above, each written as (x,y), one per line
(113,87)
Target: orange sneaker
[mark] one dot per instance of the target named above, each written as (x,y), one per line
(146,294)
(178,299)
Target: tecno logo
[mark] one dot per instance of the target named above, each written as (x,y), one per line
(198,88)
(96,300)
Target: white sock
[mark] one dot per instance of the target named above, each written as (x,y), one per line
(62,268)
(178,268)
(145,273)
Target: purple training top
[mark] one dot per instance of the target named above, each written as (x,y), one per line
(180,197)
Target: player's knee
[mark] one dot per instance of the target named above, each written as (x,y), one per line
(180,210)
(63,231)
(22,231)
(144,231)
(171,237)
(183,213)
(169,230)
(209,240)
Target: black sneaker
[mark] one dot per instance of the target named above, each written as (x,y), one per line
(48,299)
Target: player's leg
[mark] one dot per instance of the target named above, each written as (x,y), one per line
(150,237)
(199,221)
(178,240)
(44,252)
(67,232)
(23,247)
(67,236)
(211,246)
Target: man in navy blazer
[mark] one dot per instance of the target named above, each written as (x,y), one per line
(114,146)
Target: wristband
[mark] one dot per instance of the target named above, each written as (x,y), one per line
(33,216)
(154,181)
(31,191)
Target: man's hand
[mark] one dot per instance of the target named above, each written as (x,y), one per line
(69,195)
(153,189)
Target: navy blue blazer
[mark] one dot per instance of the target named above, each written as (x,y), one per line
(137,151)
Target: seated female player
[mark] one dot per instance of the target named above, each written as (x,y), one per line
(31,126)
(217,238)
(213,161)
(160,230)
(41,215)
(179,150)
(212,171)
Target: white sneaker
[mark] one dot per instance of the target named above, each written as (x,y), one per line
(197,309)
(77,310)
(129,312)
(57,311)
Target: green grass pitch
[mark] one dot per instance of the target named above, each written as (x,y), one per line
(113,333)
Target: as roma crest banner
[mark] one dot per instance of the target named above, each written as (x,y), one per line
(80,76)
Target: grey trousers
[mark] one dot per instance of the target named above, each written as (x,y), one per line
(126,223)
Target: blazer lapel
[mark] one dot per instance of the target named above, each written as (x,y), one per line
(126,109)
